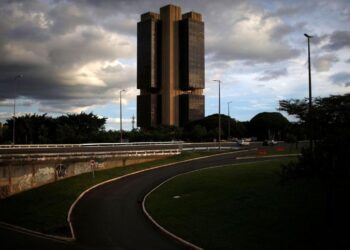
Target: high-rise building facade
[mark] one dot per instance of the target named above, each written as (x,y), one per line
(170,68)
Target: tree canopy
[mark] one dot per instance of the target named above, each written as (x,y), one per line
(330,122)
(268,125)
(42,129)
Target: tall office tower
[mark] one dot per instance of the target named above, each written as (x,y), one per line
(170,68)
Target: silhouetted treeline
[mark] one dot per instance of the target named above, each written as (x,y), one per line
(43,129)
(89,128)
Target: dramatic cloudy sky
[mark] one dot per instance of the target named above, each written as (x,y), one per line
(77,55)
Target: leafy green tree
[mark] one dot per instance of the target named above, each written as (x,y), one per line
(80,128)
(268,125)
(71,128)
(331,131)
(198,133)
(210,123)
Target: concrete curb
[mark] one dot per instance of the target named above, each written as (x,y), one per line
(26,231)
(69,220)
(175,237)
(162,229)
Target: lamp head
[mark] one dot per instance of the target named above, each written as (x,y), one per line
(308,36)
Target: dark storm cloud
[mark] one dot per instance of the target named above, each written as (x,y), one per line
(28,32)
(341,79)
(65,18)
(285,11)
(338,40)
(85,46)
(60,49)
(272,74)
(318,39)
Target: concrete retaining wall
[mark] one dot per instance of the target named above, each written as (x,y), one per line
(24,174)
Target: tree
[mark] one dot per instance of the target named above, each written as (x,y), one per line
(198,133)
(210,123)
(327,161)
(71,128)
(331,131)
(268,126)
(79,128)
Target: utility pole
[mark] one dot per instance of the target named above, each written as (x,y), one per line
(219,114)
(310,93)
(229,120)
(121,117)
(14,109)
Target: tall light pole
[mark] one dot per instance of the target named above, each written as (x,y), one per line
(310,93)
(14,109)
(219,114)
(121,117)
(229,120)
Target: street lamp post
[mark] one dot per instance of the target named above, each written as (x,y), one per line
(310,93)
(229,120)
(121,117)
(14,110)
(219,114)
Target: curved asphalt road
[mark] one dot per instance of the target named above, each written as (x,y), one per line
(111,217)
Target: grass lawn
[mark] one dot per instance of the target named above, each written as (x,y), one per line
(45,209)
(244,207)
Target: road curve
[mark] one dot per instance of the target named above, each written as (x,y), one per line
(110,216)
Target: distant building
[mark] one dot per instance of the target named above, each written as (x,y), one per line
(170,67)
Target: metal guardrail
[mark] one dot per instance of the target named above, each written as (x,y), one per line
(108,154)
(39,146)
(8,146)
(208,148)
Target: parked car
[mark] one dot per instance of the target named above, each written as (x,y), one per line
(269,143)
(243,142)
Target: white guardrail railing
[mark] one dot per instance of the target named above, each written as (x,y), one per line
(7,146)
(107,154)
(106,150)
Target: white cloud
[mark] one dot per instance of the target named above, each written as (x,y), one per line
(252,38)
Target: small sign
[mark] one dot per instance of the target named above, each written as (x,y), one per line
(261,151)
(93,166)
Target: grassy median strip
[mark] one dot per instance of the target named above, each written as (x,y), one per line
(242,207)
(45,209)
